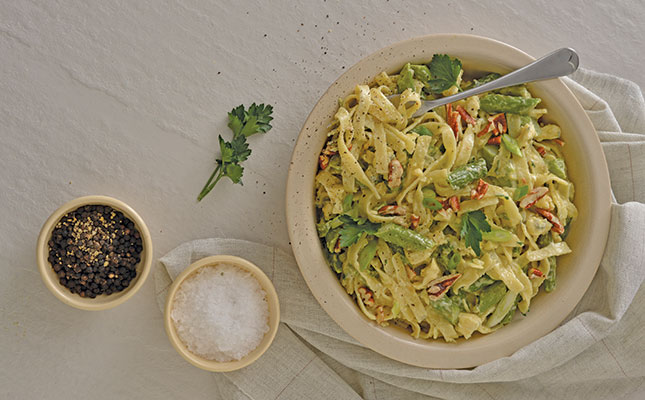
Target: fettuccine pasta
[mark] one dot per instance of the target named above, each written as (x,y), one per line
(443,223)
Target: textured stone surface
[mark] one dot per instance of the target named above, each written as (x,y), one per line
(125,98)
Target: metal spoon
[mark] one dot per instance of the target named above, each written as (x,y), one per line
(561,62)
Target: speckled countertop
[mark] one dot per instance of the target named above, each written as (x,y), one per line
(125,98)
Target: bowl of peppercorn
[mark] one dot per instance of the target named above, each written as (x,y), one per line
(94,252)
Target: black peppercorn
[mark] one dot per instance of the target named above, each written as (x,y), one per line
(95,250)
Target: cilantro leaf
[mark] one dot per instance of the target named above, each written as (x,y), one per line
(243,123)
(351,232)
(472,225)
(444,71)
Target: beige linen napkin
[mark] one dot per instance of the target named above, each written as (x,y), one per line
(596,353)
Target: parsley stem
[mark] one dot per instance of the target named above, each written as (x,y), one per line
(210,184)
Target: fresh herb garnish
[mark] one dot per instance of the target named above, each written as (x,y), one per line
(351,232)
(445,72)
(472,225)
(243,123)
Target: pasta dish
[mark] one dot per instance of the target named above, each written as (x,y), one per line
(444,223)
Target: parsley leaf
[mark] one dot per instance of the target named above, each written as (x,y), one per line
(234,172)
(240,148)
(243,123)
(444,71)
(262,113)
(351,232)
(226,150)
(472,225)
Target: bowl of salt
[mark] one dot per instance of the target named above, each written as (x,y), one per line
(222,313)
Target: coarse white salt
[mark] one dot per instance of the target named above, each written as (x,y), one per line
(220,313)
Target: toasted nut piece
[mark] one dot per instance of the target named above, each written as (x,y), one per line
(414,221)
(454,203)
(329,152)
(482,188)
(557,225)
(392,210)
(495,140)
(465,116)
(366,295)
(541,150)
(485,130)
(440,286)
(323,161)
(535,273)
(455,122)
(499,123)
(533,196)
(337,246)
(395,172)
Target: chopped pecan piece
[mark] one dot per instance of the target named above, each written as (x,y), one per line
(535,273)
(366,295)
(557,225)
(485,130)
(337,246)
(414,221)
(465,116)
(533,196)
(482,188)
(499,123)
(440,286)
(392,209)
(455,122)
(323,161)
(454,203)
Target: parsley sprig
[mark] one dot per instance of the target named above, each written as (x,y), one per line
(243,123)
(472,225)
(444,71)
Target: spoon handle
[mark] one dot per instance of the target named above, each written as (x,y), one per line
(558,63)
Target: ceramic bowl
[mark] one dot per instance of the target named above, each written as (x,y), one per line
(587,168)
(274,314)
(101,302)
